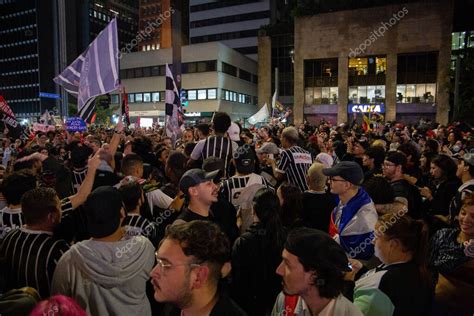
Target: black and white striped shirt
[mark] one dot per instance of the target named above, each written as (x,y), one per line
(10,219)
(30,258)
(215,146)
(78,177)
(295,162)
(232,187)
(137,225)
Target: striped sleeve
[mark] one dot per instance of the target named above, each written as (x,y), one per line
(285,161)
(66,205)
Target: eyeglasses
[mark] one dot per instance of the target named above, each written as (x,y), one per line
(165,266)
(385,164)
(335,180)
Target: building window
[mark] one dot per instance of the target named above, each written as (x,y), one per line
(131,98)
(155,97)
(369,70)
(417,68)
(147,97)
(321,95)
(245,75)
(138,97)
(138,72)
(366,94)
(155,71)
(192,95)
(321,81)
(212,94)
(202,94)
(229,69)
(114,98)
(146,71)
(416,93)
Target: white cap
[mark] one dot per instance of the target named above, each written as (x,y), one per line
(234,132)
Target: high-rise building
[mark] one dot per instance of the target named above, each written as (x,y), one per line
(27,55)
(38,39)
(233,23)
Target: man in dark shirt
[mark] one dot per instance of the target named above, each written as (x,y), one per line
(200,190)
(30,253)
(191,260)
(404,191)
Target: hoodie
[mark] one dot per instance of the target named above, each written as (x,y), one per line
(107,278)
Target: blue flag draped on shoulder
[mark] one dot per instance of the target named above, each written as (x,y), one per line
(94,72)
(174,114)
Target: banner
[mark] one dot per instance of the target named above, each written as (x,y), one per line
(76,124)
(261,116)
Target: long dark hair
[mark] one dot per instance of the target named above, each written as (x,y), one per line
(267,208)
(292,206)
(413,236)
(447,165)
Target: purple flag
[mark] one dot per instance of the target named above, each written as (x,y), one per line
(95,72)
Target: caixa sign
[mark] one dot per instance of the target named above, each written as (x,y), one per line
(366,108)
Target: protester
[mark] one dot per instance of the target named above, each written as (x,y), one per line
(318,204)
(313,269)
(106,274)
(401,285)
(353,219)
(13,188)
(452,259)
(30,252)
(256,255)
(191,260)
(295,161)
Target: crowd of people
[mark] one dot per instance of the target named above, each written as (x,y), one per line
(271,220)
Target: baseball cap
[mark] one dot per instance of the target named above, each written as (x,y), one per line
(468,158)
(348,170)
(194,177)
(268,148)
(245,159)
(103,211)
(362,141)
(314,247)
(234,132)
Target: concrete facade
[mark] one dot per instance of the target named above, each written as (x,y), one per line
(201,80)
(264,70)
(235,28)
(418,28)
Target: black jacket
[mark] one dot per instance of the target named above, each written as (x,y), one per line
(255,284)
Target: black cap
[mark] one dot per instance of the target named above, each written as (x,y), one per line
(103,211)
(313,246)
(348,170)
(245,159)
(362,141)
(194,177)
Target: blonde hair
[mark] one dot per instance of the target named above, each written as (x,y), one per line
(316,178)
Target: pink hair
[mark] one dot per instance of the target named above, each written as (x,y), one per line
(58,305)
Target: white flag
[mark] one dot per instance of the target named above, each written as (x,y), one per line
(260,116)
